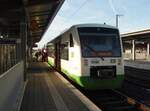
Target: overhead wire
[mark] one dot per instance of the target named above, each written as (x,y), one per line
(75,12)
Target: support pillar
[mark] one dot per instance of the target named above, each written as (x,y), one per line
(148,50)
(133,50)
(18,50)
(23,34)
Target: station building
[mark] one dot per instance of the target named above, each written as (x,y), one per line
(22,24)
(136,45)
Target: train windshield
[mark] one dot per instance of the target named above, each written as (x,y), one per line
(100,43)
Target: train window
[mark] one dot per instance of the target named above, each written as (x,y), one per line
(100,45)
(51,50)
(71,41)
(99,42)
(64,51)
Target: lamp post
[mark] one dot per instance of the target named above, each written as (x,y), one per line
(117,16)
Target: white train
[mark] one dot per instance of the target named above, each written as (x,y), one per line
(90,55)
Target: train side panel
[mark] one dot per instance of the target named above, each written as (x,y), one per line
(72,65)
(51,54)
(51,61)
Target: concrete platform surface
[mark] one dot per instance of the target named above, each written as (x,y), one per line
(47,90)
(140,64)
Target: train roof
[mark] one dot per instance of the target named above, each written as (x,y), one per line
(94,25)
(85,25)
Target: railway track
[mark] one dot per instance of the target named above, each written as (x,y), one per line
(112,100)
(136,91)
(138,77)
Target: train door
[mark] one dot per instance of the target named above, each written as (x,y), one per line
(57,56)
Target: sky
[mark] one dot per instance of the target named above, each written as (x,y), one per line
(135,15)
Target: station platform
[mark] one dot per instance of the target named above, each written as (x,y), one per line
(47,90)
(139,64)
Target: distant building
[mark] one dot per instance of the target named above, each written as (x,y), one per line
(136,45)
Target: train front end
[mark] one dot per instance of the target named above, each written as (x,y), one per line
(101,58)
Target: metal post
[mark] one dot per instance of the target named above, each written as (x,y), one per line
(117,16)
(116,20)
(148,50)
(18,50)
(133,50)
(23,35)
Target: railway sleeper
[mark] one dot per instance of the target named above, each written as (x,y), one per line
(115,102)
(144,84)
(123,108)
(119,104)
(141,78)
(106,99)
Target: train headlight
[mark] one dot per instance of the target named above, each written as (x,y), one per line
(119,62)
(113,61)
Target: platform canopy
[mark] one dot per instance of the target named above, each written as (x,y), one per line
(38,14)
(143,35)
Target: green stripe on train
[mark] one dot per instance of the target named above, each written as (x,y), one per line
(91,83)
(50,63)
